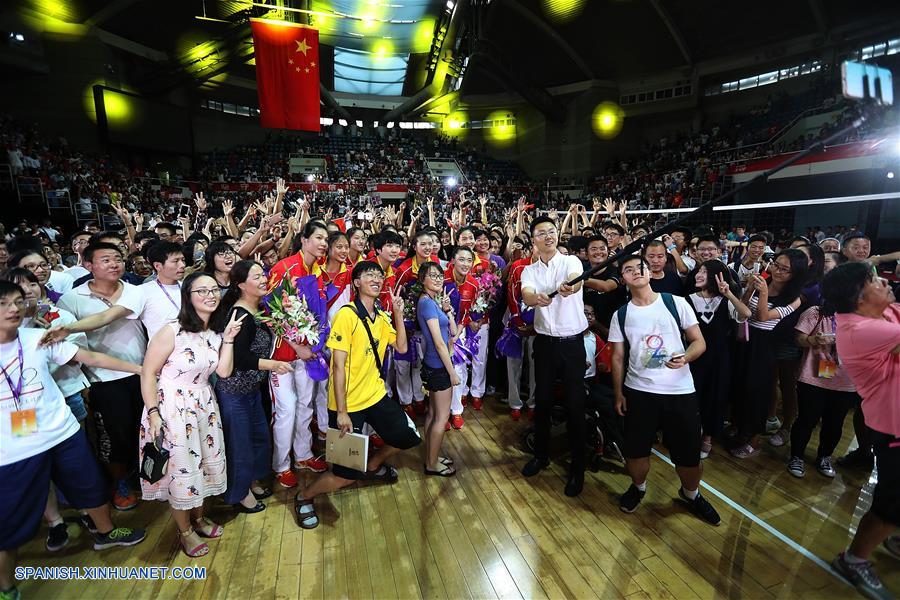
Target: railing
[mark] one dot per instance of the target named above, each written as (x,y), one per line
(29,188)
(86,212)
(806,113)
(58,200)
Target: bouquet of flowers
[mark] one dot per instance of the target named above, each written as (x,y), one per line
(489,286)
(289,316)
(297,312)
(411,293)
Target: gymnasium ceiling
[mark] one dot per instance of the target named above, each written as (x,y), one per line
(546,42)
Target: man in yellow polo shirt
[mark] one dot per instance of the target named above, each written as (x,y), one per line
(356,391)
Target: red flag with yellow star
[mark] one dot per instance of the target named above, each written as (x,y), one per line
(287,74)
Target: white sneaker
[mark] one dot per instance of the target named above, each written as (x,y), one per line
(773,425)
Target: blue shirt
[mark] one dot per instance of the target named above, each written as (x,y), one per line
(426,310)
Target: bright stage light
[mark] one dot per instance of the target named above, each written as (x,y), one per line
(454,124)
(310,177)
(451,182)
(607,120)
(890,174)
(382,49)
(423,36)
(562,11)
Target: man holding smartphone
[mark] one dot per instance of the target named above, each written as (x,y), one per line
(653,388)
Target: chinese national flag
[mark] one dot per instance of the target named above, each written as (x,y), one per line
(287,74)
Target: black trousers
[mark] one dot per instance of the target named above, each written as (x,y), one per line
(756,380)
(560,358)
(814,404)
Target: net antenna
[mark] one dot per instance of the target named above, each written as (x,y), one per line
(867,84)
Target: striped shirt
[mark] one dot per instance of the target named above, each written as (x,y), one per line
(769,325)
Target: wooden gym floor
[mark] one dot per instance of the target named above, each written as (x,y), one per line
(489,533)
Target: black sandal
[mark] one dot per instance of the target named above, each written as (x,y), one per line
(446,461)
(389,475)
(308,519)
(444,471)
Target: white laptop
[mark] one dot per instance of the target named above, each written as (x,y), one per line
(351,451)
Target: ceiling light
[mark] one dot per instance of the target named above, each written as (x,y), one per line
(450,4)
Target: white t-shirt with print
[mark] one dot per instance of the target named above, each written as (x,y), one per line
(60,282)
(69,377)
(153,303)
(124,338)
(653,337)
(55,422)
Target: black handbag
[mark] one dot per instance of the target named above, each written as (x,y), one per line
(156,459)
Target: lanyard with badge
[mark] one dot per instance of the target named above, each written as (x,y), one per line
(827,364)
(166,292)
(23,422)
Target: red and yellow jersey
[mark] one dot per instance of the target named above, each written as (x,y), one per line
(293,267)
(461,295)
(408,270)
(514,290)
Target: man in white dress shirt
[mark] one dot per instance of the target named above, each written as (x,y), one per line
(558,348)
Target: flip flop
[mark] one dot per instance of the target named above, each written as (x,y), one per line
(446,461)
(444,471)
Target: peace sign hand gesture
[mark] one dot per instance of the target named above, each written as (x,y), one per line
(200,201)
(233,327)
(724,288)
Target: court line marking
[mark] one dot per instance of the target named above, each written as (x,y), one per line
(795,546)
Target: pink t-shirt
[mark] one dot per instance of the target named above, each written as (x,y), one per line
(812,357)
(864,345)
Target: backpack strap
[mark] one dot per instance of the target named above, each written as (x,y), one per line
(620,315)
(669,301)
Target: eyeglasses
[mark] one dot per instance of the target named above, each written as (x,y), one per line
(632,270)
(542,234)
(33,268)
(372,276)
(781,268)
(20,304)
(207,292)
(435,276)
(225,253)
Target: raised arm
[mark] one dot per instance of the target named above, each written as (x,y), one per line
(89,323)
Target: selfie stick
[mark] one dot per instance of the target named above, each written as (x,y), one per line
(636,244)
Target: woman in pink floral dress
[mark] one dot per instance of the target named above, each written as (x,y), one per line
(181,404)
